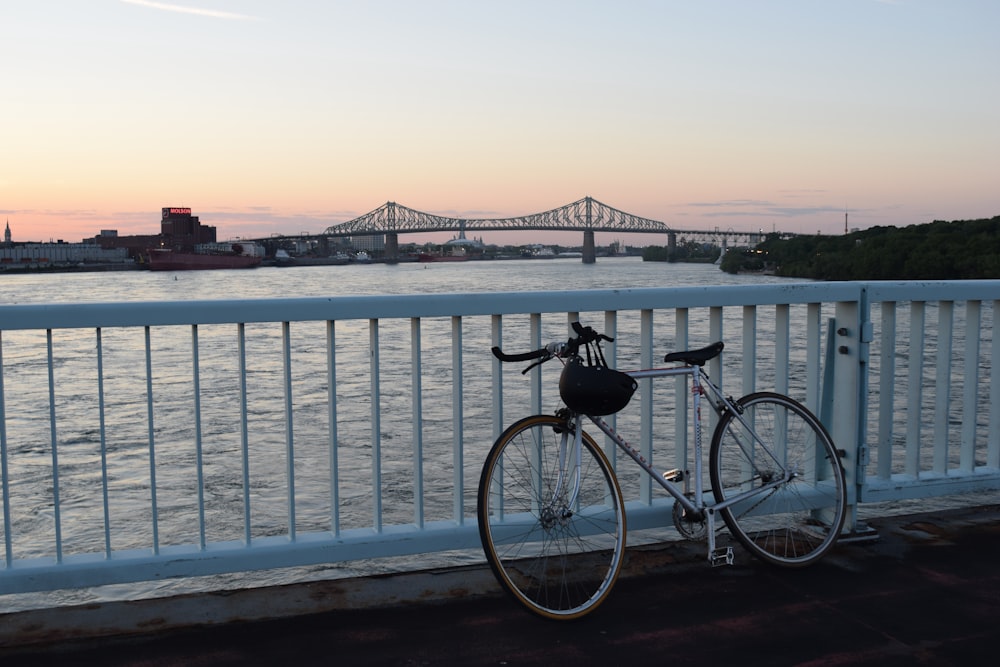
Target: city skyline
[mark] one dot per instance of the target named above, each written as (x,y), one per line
(281,118)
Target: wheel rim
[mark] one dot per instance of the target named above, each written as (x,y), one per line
(559,556)
(800,518)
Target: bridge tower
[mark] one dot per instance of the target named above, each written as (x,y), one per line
(589,252)
(391,237)
(392,247)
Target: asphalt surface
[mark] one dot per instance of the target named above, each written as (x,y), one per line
(925,592)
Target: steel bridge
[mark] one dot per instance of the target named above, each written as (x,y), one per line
(586,215)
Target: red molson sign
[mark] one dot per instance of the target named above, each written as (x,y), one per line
(170,210)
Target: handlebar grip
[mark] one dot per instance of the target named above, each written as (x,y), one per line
(588,335)
(523,356)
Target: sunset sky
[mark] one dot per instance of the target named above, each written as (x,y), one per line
(269,116)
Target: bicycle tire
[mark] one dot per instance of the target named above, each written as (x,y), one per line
(798,521)
(559,562)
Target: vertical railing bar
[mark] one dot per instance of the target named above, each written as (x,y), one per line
(104,444)
(457,408)
(611,329)
(56,509)
(286,355)
(331,381)
(496,340)
(535,332)
(970,395)
(416,372)
(376,411)
(458,432)
(715,327)
(993,434)
(782,347)
(749,349)
(535,393)
(241,342)
(887,389)
(8,539)
(152,448)
(814,355)
(681,417)
(199,455)
(942,392)
(646,397)
(915,389)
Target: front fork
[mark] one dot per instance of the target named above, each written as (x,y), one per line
(569,465)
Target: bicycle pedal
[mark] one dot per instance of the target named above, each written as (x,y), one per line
(674,475)
(722,556)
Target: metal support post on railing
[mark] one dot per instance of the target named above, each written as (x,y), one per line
(845,425)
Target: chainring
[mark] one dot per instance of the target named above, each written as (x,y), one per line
(688,528)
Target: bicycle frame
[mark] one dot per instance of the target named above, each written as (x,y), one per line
(700,385)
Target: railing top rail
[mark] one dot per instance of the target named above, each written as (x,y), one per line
(164,313)
(160,313)
(933,290)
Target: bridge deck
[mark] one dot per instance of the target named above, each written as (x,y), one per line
(926,591)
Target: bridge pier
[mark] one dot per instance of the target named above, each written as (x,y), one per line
(589,253)
(671,244)
(392,248)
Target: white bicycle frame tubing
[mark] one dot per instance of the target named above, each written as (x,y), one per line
(698,385)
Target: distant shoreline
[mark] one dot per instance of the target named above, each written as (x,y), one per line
(85,268)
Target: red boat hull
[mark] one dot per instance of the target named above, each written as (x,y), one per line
(424,257)
(168,260)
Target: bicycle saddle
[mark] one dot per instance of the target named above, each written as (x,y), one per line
(696,357)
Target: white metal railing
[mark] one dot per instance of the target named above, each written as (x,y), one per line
(141,441)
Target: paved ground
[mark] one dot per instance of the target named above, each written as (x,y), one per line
(927,592)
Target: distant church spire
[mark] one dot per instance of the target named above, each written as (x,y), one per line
(6,234)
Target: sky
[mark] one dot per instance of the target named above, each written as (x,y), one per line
(282,117)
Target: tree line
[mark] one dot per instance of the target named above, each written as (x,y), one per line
(957,250)
(685,251)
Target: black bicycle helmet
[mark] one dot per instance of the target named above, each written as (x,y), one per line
(595,390)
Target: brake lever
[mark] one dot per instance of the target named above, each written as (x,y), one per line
(537,363)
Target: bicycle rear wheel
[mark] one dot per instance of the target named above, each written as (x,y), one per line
(799,518)
(556,550)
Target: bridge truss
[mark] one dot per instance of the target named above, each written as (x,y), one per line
(586,214)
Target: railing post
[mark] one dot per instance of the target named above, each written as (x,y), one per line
(847,426)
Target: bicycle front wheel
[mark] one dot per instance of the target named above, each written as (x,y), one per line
(553,538)
(775,459)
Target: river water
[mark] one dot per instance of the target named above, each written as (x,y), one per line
(33,516)
(363,279)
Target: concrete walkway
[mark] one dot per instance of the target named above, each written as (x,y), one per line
(926,592)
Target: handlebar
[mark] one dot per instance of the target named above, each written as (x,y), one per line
(585,336)
(522,356)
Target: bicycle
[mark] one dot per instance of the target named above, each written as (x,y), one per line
(551,512)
